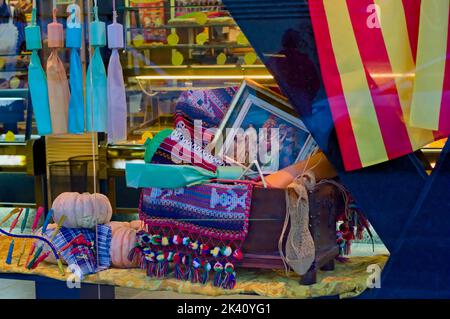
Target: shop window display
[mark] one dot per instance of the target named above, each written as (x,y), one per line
(148,140)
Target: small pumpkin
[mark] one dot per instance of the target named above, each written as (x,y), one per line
(122,242)
(82,210)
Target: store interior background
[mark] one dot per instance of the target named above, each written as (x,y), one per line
(216,54)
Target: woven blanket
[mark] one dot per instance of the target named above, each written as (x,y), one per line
(207,106)
(198,229)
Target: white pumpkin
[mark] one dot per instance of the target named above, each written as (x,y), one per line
(82,210)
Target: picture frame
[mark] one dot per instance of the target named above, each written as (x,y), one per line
(258,109)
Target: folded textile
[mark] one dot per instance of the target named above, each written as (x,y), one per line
(197,229)
(207,108)
(175,176)
(78,246)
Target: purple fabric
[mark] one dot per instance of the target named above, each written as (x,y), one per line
(117,103)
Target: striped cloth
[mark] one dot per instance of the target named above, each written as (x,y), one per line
(85,259)
(368,68)
(430,107)
(209,108)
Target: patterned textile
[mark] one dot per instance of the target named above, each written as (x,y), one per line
(207,106)
(82,252)
(197,228)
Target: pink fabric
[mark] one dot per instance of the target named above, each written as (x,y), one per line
(58,93)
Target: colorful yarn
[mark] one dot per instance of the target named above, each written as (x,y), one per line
(204,249)
(226,251)
(215,252)
(196,274)
(237,254)
(206,269)
(218,268)
(229,281)
(165,241)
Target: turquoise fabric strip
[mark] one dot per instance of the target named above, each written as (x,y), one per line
(76,104)
(37,82)
(96,95)
(174,176)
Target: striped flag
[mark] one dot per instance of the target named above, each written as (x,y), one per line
(367,54)
(430,107)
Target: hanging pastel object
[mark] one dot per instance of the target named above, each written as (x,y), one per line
(117,102)
(96,82)
(58,86)
(37,81)
(73,41)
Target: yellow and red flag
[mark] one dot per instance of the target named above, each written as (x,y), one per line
(368,69)
(430,107)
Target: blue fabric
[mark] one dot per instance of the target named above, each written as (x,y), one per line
(37,82)
(76,104)
(104,234)
(88,262)
(96,95)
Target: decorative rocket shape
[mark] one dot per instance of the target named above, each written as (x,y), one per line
(73,41)
(58,86)
(117,103)
(96,91)
(37,81)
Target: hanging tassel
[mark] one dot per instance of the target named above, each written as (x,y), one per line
(206,270)
(196,272)
(186,261)
(178,272)
(134,252)
(117,102)
(229,281)
(162,266)
(151,268)
(218,268)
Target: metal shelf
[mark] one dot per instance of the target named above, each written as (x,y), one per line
(190,46)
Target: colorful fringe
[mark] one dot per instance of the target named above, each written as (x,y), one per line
(196,229)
